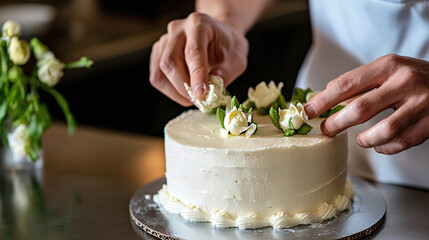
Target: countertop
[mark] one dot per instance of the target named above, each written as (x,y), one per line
(84,188)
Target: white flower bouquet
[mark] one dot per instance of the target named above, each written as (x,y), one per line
(23,117)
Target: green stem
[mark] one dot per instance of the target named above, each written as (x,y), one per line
(62,102)
(83,62)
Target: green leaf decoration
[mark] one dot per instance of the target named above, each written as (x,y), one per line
(262,111)
(299,95)
(332,111)
(234,102)
(291,124)
(250,104)
(220,113)
(275,118)
(62,102)
(281,101)
(304,129)
(289,132)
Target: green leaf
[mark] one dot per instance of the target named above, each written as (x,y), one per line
(220,113)
(332,111)
(281,101)
(33,152)
(275,118)
(3,108)
(291,124)
(234,102)
(299,95)
(62,102)
(304,129)
(250,104)
(262,111)
(44,117)
(241,108)
(3,133)
(289,132)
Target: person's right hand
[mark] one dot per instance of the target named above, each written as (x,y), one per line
(192,49)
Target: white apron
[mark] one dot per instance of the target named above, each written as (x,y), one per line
(350,33)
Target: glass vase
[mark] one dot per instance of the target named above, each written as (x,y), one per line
(8,163)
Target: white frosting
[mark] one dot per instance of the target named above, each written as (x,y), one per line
(295,113)
(264,95)
(215,97)
(264,180)
(280,220)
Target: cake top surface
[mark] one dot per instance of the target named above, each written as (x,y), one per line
(196,129)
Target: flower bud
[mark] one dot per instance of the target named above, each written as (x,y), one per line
(19,51)
(50,71)
(237,121)
(296,114)
(264,95)
(11,29)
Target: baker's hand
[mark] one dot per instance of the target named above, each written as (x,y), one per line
(397,82)
(192,49)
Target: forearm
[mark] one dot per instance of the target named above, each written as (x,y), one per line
(240,14)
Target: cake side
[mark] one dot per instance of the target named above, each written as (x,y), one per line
(237,181)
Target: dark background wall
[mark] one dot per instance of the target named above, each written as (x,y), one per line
(116,92)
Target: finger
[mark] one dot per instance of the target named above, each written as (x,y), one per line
(196,48)
(158,79)
(361,109)
(172,63)
(387,129)
(230,69)
(355,82)
(414,135)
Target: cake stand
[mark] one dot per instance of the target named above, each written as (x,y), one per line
(366,216)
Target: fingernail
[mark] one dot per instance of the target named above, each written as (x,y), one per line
(359,141)
(199,91)
(323,128)
(378,149)
(309,110)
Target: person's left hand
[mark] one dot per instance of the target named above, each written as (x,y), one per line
(397,82)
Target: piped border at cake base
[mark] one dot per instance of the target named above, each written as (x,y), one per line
(280,220)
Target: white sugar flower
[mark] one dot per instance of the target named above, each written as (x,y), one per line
(264,95)
(295,113)
(310,95)
(215,97)
(237,121)
(19,141)
(50,69)
(19,51)
(11,29)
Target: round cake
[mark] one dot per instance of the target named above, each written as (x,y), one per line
(264,180)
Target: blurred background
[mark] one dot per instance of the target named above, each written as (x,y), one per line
(116,94)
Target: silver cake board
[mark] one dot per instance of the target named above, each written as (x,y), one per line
(365,217)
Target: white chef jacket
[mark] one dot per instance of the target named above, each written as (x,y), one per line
(350,33)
